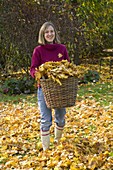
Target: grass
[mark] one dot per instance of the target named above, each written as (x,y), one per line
(31,98)
(101,92)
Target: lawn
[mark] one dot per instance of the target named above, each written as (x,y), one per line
(87,141)
(101,92)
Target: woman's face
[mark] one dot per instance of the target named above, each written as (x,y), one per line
(49,34)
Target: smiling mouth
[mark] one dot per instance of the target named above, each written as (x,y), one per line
(50,37)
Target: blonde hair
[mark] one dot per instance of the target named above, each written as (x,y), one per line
(41,39)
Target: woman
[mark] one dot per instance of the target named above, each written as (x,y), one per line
(49,49)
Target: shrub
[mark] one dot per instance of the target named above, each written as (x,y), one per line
(90,76)
(18,86)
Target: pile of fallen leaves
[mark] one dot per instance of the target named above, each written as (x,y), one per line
(59,70)
(87,142)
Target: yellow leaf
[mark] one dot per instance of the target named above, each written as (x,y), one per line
(39,145)
(4,147)
(38,75)
(51,139)
(60,147)
(62,139)
(56,168)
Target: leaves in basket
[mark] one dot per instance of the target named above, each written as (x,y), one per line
(37,75)
(58,70)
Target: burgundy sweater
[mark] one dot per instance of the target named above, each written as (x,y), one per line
(48,52)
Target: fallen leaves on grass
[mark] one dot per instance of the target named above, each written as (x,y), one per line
(87,142)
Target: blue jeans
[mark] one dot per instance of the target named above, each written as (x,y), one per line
(46,113)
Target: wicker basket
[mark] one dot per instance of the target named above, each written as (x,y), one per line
(57,96)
